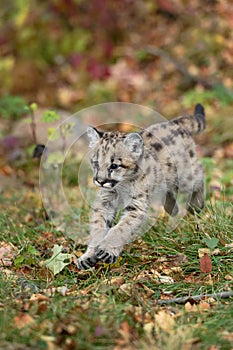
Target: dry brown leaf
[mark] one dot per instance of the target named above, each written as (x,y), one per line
(228,336)
(191,308)
(63,290)
(6,170)
(145,276)
(149,292)
(23,319)
(165,321)
(117,281)
(228,150)
(203,305)
(208,280)
(228,277)
(139,314)
(213,347)
(126,288)
(42,307)
(49,291)
(216,251)
(127,333)
(8,274)
(203,251)
(166,279)
(149,328)
(39,297)
(50,342)
(7,254)
(205,264)
(156,276)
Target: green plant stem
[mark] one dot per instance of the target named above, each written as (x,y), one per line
(33,126)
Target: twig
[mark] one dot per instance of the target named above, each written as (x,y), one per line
(183,300)
(33,125)
(179,66)
(63,137)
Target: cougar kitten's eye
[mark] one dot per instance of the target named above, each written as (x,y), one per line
(114,166)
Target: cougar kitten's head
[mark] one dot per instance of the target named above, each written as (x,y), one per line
(114,156)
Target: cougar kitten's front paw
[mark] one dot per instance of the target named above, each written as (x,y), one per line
(106,253)
(87,261)
(105,256)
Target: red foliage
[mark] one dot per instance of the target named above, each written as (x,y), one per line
(206,264)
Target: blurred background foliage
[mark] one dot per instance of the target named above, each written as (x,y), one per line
(71,54)
(75,53)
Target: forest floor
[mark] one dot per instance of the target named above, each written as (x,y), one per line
(70,55)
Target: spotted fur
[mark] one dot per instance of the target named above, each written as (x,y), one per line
(130,169)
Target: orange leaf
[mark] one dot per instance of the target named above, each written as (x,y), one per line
(23,320)
(205,264)
(39,297)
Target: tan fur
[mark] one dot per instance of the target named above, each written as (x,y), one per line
(130,170)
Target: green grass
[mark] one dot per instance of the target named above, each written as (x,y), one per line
(115,307)
(96,314)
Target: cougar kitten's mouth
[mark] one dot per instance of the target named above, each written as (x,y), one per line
(107,184)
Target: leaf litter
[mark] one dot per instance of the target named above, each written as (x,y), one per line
(58,260)
(95,292)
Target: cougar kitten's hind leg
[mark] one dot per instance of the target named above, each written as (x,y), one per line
(196,201)
(170,204)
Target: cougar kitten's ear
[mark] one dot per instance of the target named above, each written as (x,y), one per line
(135,143)
(93,135)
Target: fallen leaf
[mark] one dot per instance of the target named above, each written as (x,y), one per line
(149,292)
(166,279)
(126,288)
(139,314)
(228,150)
(39,297)
(6,170)
(203,305)
(7,254)
(228,336)
(165,321)
(49,291)
(190,307)
(42,307)
(23,319)
(216,251)
(57,262)
(62,290)
(117,281)
(71,329)
(208,280)
(149,328)
(203,251)
(48,338)
(213,347)
(229,245)
(127,333)
(211,242)
(228,277)
(205,264)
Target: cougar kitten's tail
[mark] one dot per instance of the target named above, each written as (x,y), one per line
(195,123)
